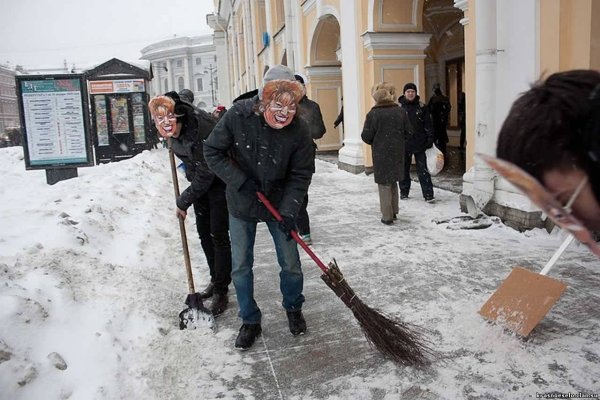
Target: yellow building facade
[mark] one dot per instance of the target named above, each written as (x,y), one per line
(491,50)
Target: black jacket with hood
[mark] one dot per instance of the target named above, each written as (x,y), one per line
(243,146)
(188,147)
(422,125)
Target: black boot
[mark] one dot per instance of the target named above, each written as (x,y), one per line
(219,303)
(208,291)
(247,336)
(296,322)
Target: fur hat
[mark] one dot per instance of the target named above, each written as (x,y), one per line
(409,86)
(383,92)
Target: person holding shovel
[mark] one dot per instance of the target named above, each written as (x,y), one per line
(552,132)
(186,128)
(261,146)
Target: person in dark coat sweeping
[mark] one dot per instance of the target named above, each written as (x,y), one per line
(187,127)
(260,145)
(421,139)
(386,129)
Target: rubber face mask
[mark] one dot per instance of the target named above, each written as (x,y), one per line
(561,214)
(162,109)
(279,102)
(280,112)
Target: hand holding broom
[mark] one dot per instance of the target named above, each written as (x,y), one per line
(396,340)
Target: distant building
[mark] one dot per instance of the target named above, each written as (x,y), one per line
(9,113)
(185,63)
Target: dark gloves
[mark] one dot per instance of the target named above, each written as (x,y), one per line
(249,187)
(287,224)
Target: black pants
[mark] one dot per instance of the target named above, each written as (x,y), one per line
(212,223)
(422,172)
(303,221)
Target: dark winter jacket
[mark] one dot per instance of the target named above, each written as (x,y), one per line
(386,129)
(422,126)
(280,161)
(439,107)
(310,112)
(188,147)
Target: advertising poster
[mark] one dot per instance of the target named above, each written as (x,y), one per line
(101,120)
(54,118)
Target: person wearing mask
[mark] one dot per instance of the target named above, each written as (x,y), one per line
(261,145)
(311,113)
(177,120)
(552,132)
(386,129)
(421,139)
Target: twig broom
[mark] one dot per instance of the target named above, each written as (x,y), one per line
(399,341)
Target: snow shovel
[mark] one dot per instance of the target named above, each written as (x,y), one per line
(525,297)
(196,315)
(396,340)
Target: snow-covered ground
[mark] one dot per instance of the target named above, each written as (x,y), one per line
(92,281)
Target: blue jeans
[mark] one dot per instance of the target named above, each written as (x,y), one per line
(291,279)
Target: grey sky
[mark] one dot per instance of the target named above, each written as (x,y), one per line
(43,33)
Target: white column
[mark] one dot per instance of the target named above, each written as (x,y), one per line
(481,189)
(223,93)
(352,152)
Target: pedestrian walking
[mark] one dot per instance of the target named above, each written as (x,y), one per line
(186,129)
(311,114)
(260,145)
(421,139)
(386,129)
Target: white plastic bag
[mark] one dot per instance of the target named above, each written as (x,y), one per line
(435,160)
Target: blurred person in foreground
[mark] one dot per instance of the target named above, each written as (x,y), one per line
(386,129)
(261,145)
(311,114)
(181,124)
(552,132)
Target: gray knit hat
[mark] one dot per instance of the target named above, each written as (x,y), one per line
(277,72)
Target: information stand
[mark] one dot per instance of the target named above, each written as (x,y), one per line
(55,121)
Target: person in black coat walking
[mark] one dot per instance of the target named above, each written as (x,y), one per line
(186,127)
(311,114)
(260,145)
(386,129)
(421,139)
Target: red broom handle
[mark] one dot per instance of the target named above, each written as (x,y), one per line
(294,234)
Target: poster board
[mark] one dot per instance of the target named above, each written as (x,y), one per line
(55,120)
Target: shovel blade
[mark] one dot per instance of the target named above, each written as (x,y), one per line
(196,316)
(522,300)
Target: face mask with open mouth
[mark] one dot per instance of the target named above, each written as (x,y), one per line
(162,109)
(279,102)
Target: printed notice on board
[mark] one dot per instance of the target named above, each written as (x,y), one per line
(53,113)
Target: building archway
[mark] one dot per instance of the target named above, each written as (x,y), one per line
(325,78)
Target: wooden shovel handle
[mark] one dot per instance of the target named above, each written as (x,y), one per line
(184,242)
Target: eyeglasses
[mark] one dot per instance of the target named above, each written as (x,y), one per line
(161,119)
(560,214)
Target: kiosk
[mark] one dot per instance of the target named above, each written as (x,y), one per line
(121,126)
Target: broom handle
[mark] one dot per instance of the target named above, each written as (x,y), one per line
(293,232)
(184,242)
(557,254)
